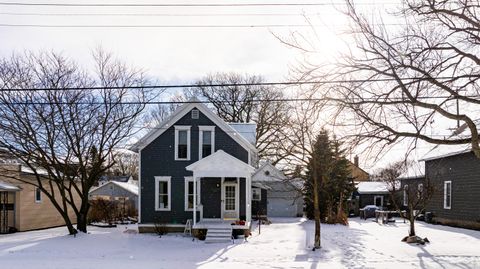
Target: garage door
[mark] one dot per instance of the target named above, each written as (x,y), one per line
(279,207)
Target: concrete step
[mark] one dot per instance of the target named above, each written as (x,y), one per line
(219,235)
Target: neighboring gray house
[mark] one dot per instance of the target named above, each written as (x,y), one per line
(454,173)
(116,191)
(372,193)
(194,166)
(283,196)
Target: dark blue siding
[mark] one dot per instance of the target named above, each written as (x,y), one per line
(464,172)
(157,159)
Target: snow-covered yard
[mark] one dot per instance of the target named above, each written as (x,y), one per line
(284,244)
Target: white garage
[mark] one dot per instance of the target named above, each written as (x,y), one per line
(283,195)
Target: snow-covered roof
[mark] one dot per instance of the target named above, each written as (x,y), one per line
(442,151)
(247,130)
(261,186)
(4,186)
(370,187)
(27,170)
(130,187)
(220,164)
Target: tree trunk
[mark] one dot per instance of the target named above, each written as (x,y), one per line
(82,216)
(412,224)
(316,211)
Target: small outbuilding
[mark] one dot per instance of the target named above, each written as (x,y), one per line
(283,196)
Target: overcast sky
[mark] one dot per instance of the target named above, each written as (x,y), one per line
(177,54)
(182,54)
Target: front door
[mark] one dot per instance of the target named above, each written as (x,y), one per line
(378,201)
(230,200)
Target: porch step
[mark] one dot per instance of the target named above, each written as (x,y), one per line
(219,235)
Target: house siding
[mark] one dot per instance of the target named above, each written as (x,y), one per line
(157,159)
(369,199)
(111,190)
(463,171)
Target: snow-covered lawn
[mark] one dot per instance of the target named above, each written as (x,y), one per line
(284,244)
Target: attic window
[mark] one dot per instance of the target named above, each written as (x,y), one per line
(195,114)
(267,173)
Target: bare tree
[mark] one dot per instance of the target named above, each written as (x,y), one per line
(52,121)
(409,80)
(248,103)
(412,194)
(125,164)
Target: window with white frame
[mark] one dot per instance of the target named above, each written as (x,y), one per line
(447,195)
(163,193)
(405,195)
(206,144)
(189,193)
(256,194)
(38,195)
(420,190)
(182,143)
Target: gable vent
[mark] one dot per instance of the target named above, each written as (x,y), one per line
(195,114)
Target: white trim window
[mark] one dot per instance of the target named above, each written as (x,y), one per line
(163,194)
(38,195)
(189,193)
(405,195)
(256,194)
(447,195)
(420,191)
(206,141)
(182,143)
(375,200)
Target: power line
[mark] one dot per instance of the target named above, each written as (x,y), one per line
(282,100)
(59,4)
(155,26)
(177,86)
(156,14)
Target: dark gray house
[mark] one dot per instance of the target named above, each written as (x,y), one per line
(454,172)
(194,166)
(372,193)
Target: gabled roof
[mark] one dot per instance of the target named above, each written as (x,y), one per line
(182,111)
(220,164)
(132,188)
(273,174)
(372,187)
(4,186)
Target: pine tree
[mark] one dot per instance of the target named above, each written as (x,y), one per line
(334,185)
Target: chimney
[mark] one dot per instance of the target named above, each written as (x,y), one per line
(355,160)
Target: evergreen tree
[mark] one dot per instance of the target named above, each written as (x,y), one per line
(334,185)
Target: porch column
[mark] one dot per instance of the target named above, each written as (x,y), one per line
(248,186)
(194,199)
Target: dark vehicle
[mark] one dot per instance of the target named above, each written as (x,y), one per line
(368,211)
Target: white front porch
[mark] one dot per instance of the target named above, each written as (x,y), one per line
(224,166)
(220,223)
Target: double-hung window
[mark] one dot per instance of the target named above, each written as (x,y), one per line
(447,195)
(38,195)
(256,194)
(189,193)
(206,141)
(163,193)
(405,195)
(182,143)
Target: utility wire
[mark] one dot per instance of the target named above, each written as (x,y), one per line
(177,86)
(59,4)
(157,14)
(155,26)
